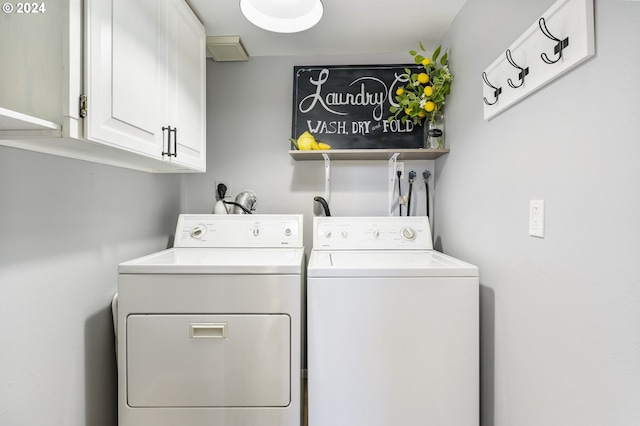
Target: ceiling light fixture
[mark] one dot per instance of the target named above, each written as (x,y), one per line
(283,16)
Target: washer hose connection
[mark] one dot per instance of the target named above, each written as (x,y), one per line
(324,204)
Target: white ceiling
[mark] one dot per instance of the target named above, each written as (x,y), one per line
(347,27)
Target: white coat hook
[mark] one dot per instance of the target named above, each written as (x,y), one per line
(327,177)
(392,180)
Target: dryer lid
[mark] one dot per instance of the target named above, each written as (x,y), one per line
(244,261)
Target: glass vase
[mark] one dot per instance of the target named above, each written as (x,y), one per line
(434,131)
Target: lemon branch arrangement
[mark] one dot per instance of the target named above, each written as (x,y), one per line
(308,142)
(424,92)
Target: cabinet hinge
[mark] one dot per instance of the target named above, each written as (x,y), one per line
(83,106)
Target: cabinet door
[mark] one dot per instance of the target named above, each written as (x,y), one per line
(122,72)
(184,57)
(31,71)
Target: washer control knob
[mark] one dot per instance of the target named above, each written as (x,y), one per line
(255,232)
(376,233)
(198,231)
(344,234)
(408,234)
(287,232)
(327,234)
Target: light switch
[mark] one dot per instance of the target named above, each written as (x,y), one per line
(536,218)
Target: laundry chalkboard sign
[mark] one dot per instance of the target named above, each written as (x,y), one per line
(348,106)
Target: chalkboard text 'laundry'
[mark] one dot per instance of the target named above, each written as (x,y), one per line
(348,106)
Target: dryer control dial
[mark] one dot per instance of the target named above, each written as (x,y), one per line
(198,231)
(408,233)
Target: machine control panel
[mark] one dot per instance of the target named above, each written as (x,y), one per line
(255,230)
(374,233)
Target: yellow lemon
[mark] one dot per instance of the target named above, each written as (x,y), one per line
(322,145)
(422,114)
(428,91)
(400,91)
(423,78)
(306,141)
(426,61)
(429,106)
(407,111)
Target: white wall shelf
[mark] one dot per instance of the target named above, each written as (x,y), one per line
(368,154)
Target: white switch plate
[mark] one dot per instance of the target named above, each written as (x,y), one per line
(536,218)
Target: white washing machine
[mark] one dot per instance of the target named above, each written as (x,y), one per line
(392,326)
(209,331)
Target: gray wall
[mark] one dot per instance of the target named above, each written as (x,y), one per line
(560,315)
(64,227)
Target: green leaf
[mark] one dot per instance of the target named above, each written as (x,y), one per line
(413,53)
(443,60)
(436,53)
(421,46)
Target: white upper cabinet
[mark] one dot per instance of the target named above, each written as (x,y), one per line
(102,80)
(122,74)
(184,60)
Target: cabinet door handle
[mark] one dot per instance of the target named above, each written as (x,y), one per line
(166,138)
(170,130)
(175,142)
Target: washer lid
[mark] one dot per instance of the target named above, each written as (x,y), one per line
(244,261)
(387,263)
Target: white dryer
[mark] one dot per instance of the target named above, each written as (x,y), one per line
(392,326)
(209,331)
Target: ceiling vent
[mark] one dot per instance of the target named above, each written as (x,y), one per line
(226,48)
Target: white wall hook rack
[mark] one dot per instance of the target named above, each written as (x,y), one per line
(560,40)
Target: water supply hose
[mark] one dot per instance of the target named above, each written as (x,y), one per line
(425,176)
(412,176)
(399,173)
